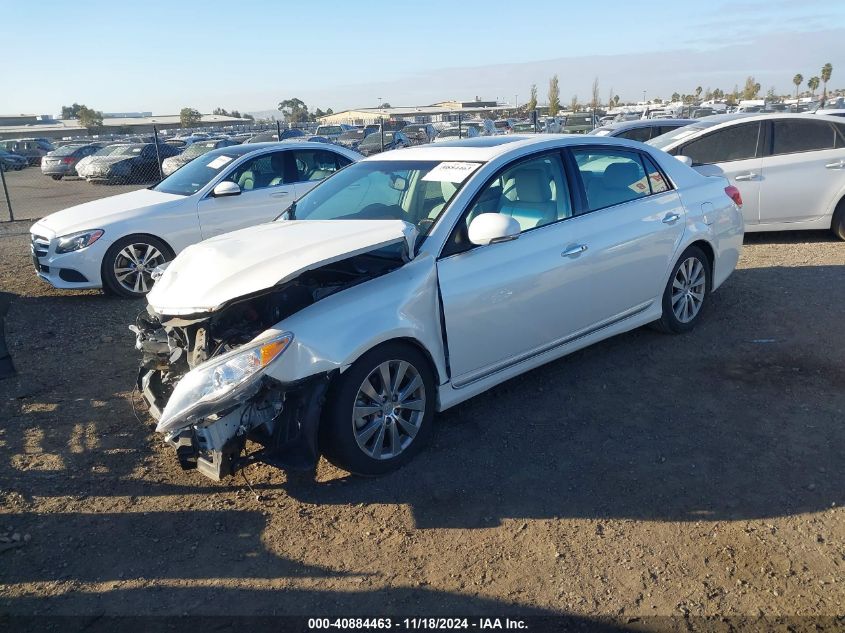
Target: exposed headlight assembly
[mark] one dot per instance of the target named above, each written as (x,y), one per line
(203,390)
(78,241)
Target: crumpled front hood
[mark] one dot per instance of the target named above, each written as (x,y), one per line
(99,214)
(207,275)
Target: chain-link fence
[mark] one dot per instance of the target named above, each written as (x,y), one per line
(41,176)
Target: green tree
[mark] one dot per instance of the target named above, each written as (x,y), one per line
(329,111)
(827,71)
(295,110)
(554,96)
(89,119)
(532,99)
(751,89)
(595,101)
(616,100)
(385,106)
(188,117)
(249,116)
(797,80)
(220,111)
(72,111)
(813,85)
(573,103)
(676,96)
(698,92)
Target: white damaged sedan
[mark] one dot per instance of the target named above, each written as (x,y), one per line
(413,280)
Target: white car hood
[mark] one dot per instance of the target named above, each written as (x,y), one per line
(207,275)
(98,214)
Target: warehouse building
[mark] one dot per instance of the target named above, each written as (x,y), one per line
(442,111)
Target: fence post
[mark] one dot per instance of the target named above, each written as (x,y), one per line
(381,125)
(534,120)
(278,131)
(158,154)
(6,192)
(460,127)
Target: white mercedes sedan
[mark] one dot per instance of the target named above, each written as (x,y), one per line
(115,243)
(413,280)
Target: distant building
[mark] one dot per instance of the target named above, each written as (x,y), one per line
(441,111)
(31,125)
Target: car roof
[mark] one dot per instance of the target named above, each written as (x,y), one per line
(243,150)
(627,125)
(486,148)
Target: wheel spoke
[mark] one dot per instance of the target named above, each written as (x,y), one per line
(379,443)
(399,377)
(395,440)
(413,405)
(384,373)
(415,384)
(677,284)
(368,431)
(409,427)
(361,412)
(368,390)
(122,273)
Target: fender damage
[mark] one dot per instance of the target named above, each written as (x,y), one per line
(191,323)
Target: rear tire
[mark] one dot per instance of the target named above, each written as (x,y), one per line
(686,292)
(370,427)
(128,264)
(838,223)
(56,177)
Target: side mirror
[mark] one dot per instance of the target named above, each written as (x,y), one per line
(686,160)
(489,228)
(226,188)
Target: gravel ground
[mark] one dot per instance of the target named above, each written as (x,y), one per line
(696,475)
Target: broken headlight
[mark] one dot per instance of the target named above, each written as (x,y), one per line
(202,389)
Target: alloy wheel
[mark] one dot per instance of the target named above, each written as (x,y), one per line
(134,265)
(688,289)
(389,409)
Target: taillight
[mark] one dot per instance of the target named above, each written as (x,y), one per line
(67,160)
(733,194)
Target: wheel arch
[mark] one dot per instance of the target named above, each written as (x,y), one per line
(709,252)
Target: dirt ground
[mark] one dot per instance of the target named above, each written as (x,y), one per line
(648,475)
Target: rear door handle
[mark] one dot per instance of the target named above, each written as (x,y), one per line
(574,251)
(749,176)
(837,165)
(671,218)
(280,194)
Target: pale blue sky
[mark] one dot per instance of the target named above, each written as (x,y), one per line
(161,56)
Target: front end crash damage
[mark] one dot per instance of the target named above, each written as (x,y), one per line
(282,418)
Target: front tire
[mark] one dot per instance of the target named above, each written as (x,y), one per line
(56,177)
(128,265)
(380,411)
(686,292)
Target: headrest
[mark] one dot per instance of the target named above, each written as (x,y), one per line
(532,185)
(622,174)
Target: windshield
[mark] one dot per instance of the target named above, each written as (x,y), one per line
(665,140)
(198,149)
(329,129)
(66,150)
(375,138)
(195,175)
(414,191)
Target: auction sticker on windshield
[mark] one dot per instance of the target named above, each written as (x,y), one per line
(218,162)
(451,172)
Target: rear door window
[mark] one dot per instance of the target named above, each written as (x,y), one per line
(737,142)
(800,135)
(641,134)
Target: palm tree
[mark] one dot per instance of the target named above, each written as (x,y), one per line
(827,70)
(797,80)
(813,85)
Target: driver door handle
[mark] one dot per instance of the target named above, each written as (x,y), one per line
(574,251)
(280,194)
(837,165)
(671,218)
(749,176)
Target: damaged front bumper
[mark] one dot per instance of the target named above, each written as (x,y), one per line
(283,419)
